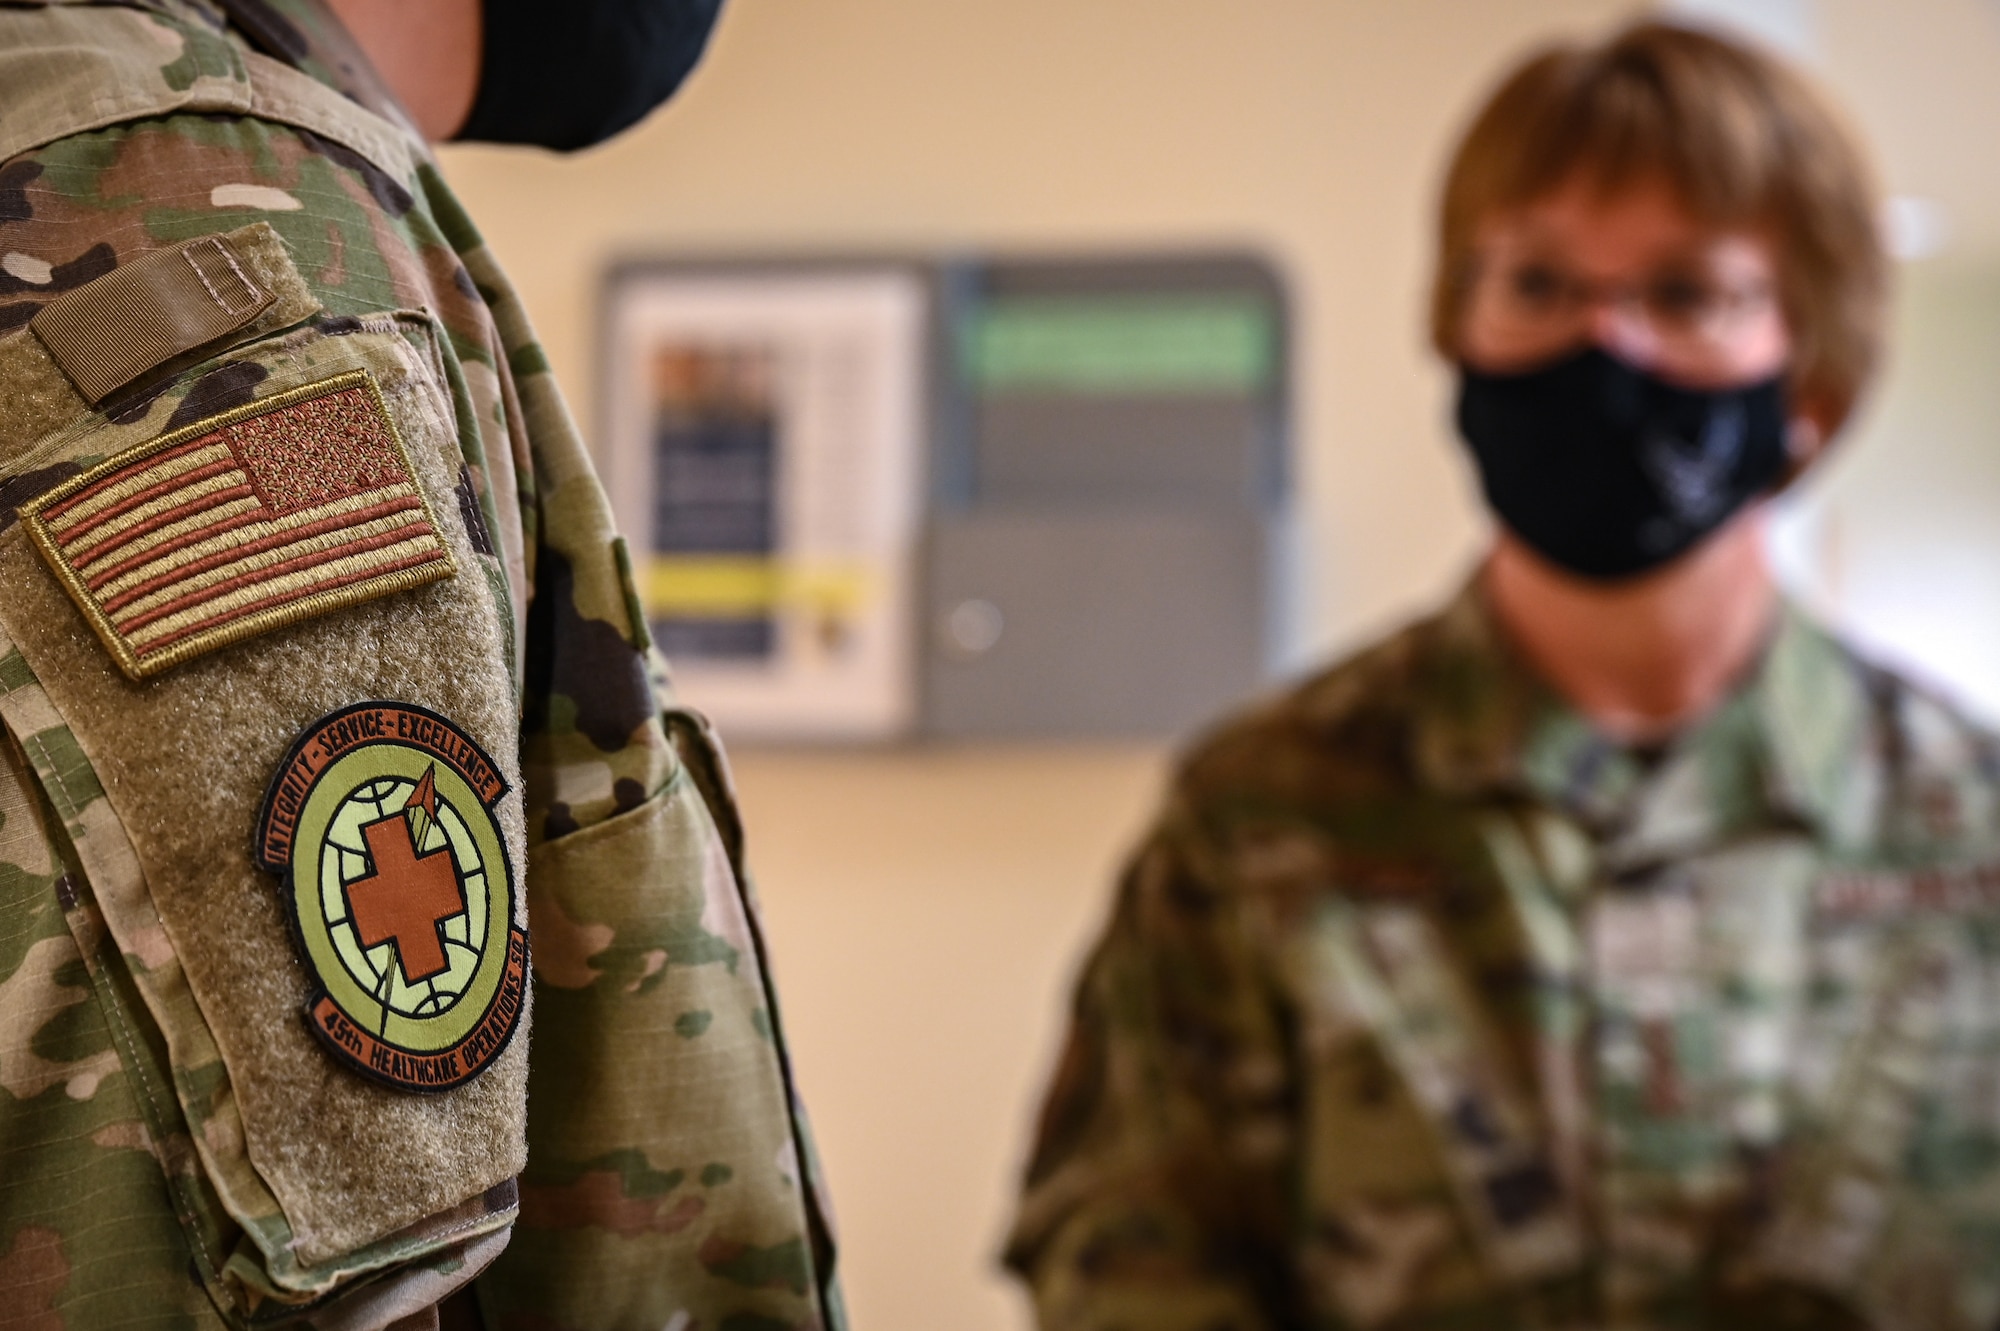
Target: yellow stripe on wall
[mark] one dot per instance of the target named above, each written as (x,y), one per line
(742,586)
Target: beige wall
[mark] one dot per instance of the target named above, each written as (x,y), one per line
(1901,532)
(927,906)
(925,909)
(1906,520)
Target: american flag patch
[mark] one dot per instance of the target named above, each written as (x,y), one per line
(264,516)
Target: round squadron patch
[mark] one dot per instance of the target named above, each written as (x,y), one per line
(401,896)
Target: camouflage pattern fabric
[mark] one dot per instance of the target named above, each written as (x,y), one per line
(1425,1006)
(669,1179)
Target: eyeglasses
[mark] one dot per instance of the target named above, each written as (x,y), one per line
(1539,302)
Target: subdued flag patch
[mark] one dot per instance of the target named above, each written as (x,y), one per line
(260,517)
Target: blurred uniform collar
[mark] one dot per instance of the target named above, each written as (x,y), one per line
(1787,747)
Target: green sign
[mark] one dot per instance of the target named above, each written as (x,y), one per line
(1122,344)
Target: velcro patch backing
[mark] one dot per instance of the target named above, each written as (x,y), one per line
(245,522)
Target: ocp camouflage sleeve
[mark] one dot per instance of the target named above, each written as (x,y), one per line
(219,207)
(1156,1195)
(666,1151)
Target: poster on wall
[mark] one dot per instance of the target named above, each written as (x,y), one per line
(763,448)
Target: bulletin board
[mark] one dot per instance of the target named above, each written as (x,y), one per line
(954,496)
(764,444)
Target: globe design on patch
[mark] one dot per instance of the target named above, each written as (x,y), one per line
(345,863)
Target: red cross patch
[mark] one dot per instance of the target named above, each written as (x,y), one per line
(396,876)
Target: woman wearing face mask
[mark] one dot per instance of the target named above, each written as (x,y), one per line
(1614,947)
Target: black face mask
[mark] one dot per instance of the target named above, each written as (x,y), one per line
(1607,471)
(567,74)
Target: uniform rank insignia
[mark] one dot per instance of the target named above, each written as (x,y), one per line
(278,511)
(397,881)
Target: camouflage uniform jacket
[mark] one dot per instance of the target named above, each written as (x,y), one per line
(1427,1006)
(252,347)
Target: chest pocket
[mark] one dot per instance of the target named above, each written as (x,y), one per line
(259,575)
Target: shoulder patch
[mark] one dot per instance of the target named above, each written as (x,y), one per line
(396,878)
(276,512)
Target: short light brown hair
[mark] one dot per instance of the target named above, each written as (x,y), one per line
(1740,137)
